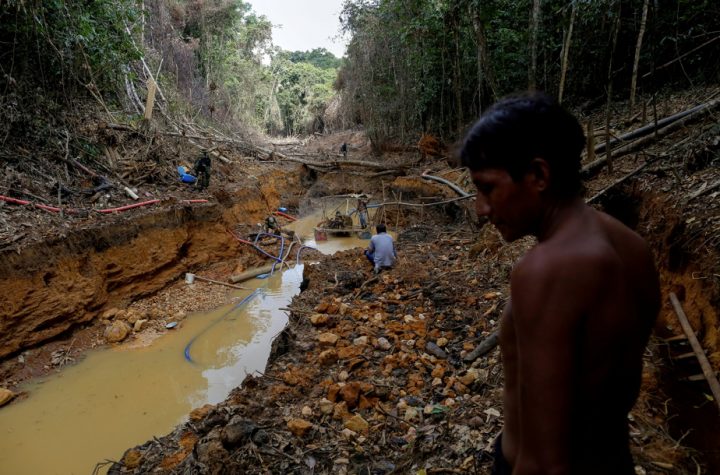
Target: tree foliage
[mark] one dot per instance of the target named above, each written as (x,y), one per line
(419,66)
(66,43)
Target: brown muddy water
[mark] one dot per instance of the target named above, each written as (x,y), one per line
(116,398)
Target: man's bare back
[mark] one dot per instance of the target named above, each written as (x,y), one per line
(583,300)
(592,282)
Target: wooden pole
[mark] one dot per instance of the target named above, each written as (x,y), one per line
(699,352)
(152,87)
(220,283)
(397,218)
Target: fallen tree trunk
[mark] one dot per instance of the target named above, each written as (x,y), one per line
(660,123)
(452,185)
(592,168)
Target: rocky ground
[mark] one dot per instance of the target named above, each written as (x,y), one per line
(378,375)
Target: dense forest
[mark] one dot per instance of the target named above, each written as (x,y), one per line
(412,66)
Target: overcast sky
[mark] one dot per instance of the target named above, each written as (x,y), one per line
(302,25)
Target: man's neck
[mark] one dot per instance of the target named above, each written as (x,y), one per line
(556,214)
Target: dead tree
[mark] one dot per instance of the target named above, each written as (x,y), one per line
(636,63)
(566,51)
(534,27)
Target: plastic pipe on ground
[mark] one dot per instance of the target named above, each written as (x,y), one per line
(124,208)
(186,352)
(285,215)
(14,200)
(250,274)
(43,207)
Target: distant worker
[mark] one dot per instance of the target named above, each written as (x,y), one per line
(343,149)
(201,170)
(381,252)
(362,211)
(337,222)
(271,225)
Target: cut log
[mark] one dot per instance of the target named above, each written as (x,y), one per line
(452,185)
(697,349)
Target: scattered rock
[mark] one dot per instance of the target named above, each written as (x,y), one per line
(132,459)
(328,339)
(210,449)
(200,413)
(299,427)
(116,332)
(328,357)
(5,396)
(348,434)
(357,424)
(319,319)
(350,393)
(435,350)
(326,406)
(237,431)
(383,343)
(139,325)
(110,313)
(360,341)
(132,316)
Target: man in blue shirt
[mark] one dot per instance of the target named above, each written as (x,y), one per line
(381,251)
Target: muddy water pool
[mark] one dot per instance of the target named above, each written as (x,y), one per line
(119,397)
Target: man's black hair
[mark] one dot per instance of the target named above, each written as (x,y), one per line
(381,228)
(517,129)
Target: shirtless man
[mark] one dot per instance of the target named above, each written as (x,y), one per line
(583,300)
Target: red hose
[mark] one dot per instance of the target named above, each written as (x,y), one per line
(127,207)
(280,213)
(49,208)
(240,239)
(109,210)
(14,200)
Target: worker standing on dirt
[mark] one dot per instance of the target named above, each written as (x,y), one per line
(381,252)
(344,149)
(362,211)
(583,300)
(201,170)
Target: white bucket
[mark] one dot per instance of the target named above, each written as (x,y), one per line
(189,278)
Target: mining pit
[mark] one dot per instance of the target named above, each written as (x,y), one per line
(355,374)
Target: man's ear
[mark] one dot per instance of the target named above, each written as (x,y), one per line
(539,174)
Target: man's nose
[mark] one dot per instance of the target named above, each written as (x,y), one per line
(482,208)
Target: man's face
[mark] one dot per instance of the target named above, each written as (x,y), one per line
(513,207)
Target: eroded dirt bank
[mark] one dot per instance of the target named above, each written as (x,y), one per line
(53,287)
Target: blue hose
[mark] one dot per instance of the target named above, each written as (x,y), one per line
(186,352)
(235,307)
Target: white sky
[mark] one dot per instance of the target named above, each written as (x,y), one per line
(302,25)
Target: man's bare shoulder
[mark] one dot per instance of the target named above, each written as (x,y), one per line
(563,260)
